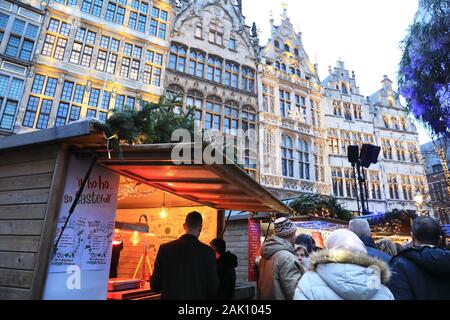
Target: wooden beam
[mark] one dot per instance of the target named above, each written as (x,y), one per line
(49,227)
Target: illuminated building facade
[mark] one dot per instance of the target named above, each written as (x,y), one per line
(93,56)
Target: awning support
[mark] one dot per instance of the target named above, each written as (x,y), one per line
(75,202)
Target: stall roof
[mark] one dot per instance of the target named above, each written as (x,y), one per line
(220,186)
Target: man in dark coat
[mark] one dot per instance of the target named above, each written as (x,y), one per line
(362,229)
(422,272)
(226,268)
(185,269)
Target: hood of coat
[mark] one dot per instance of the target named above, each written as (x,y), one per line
(228,259)
(274,245)
(352,275)
(435,261)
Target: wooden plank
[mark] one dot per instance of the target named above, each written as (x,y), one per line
(16,260)
(19,243)
(26,182)
(28,168)
(36,153)
(38,196)
(49,227)
(15,278)
(21,227)
(19,212)
(14,294)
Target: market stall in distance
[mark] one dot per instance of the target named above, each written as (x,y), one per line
(138,198)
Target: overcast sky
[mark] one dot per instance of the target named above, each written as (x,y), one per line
(364,33)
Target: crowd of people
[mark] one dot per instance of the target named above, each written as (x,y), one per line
(352,266)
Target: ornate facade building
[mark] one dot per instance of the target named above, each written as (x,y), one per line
(20,24)
(292,135)
(92,56)
(212,67)
(380,120)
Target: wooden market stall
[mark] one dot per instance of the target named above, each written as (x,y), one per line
(42,172)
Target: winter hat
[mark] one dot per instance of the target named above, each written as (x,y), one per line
(284,228)
(344,239)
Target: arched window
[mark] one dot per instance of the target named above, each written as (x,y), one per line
(177,59)
(231,118)
(213,115)
(194,98)
(214,72)
(277,44)
(196,63)
(287,48)
(287,156)
(232,74)
(296,52)
(248,79)
(395,124)
(175,93)
(303,159)
(344,88)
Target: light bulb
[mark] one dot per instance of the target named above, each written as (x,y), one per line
(163,213)
(135,238)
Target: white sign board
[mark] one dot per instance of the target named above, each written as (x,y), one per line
(79,269)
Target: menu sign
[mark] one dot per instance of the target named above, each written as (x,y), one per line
(254,246)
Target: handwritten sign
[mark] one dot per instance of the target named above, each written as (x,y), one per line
(254,246)
(86,242)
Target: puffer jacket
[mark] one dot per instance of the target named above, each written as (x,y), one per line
(279,270)
(421,274)
(344,275)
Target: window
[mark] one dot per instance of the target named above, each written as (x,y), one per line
(61,115)
(303,159)
(213,116)
(407,187)
(287,48)
(357,111)
(248,79)
(91,113)
(337,108)
(393,187)
(349,182)
(50,88)
(338,182)
(296,52)
(344,88)
(348,111)
(177,58)
(277,44)
(231,119)
(386,121)
(198,32)
(44,114)
(387,149)
(374,184)
(196,63)
(158,24)
(125,67)
(269,98)
(232,44)
(400,151)
(11,92)
(157,77)
(334,142)
(287,157)
(395,123)
(231,75)
(94,97)
(30,112)
(115,13)
(74,114)
(93,7)
(285,103)
(413,152)
(79,93)
(214,71)
(106,100)
(216,34)
(195,99)
(346,141)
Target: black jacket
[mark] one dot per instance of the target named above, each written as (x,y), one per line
(421,274)
(373,251)
(185,269)
(226,266)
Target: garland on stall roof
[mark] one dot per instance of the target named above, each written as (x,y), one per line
(394,222)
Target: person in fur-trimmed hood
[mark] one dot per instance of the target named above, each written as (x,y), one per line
(344,271)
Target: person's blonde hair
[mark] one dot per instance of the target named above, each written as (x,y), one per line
(387,246)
